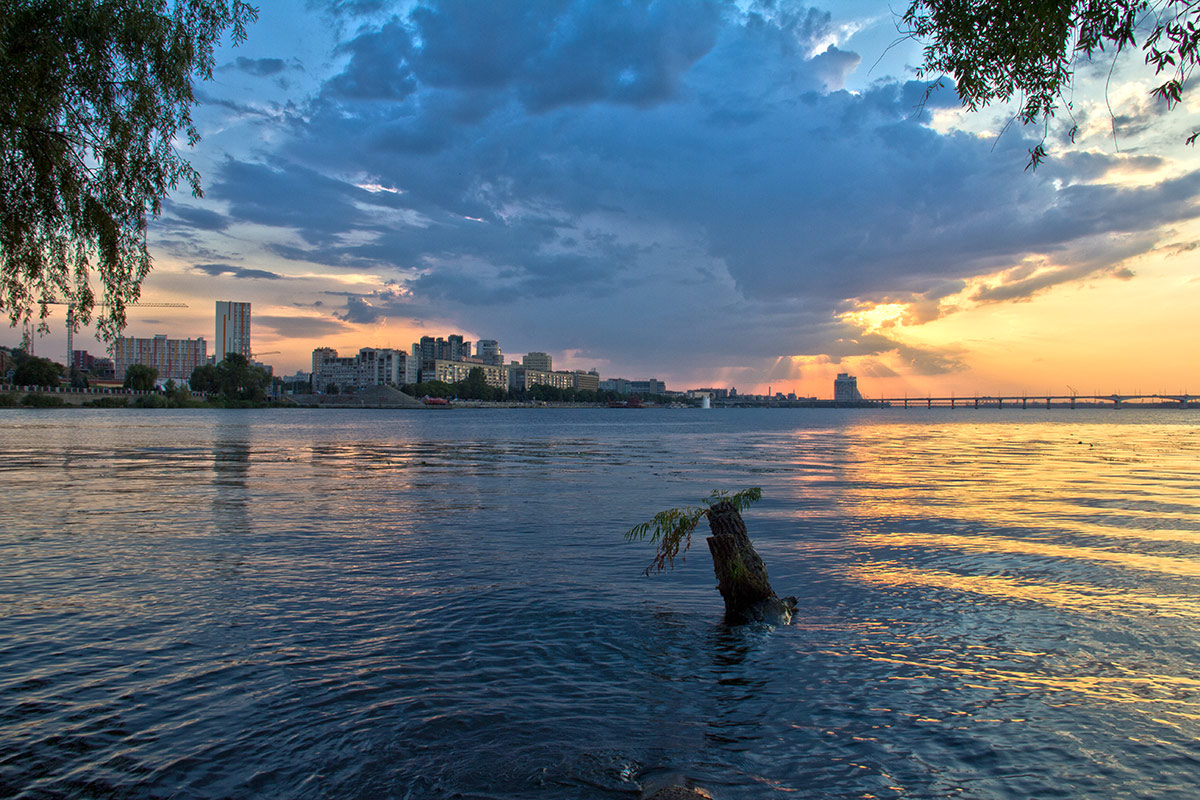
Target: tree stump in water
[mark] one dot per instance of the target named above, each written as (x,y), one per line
(741,575)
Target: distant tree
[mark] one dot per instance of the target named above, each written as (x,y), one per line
(433,389)
(476,387)
(240,381)
(332,388)
(33,371)
(94,95)
(996,51)
(476,384)
(177,395)
(78,379)
(140,378)
(204,379)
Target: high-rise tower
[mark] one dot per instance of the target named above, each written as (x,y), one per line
(233,329)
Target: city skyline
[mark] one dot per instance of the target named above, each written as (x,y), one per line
(714,195)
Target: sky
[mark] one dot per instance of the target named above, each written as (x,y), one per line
(712,194)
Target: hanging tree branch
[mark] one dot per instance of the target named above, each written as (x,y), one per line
(1029,51)
(92,96)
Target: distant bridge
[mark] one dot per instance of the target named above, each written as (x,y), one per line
(1040,401)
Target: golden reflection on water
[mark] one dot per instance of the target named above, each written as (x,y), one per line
(1135,482)
(992,512)
(1155,693)
(1028,490)
(1065,596)
(1167,565)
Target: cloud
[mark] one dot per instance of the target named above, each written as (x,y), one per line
(260,67)
(560,52)
(237,272)
(378,67)
(573,174)
(1027,287)
(321,209)
(351,8)
(1179,248)
(199,218)
(392,301)
(302,327)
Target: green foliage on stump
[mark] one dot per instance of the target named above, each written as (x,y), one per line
(672,529)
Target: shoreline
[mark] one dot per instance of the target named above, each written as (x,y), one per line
(18,397)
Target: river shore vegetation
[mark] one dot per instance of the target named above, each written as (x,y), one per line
(475,387)
(234,382)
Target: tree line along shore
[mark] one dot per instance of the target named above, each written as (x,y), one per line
(234,382)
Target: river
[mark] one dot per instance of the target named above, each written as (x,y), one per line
(440,604)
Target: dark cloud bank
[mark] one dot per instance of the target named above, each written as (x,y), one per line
(675,179)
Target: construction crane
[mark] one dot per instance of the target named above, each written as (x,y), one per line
(71,319)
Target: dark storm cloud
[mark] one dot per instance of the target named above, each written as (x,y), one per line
(236,272)
(560,52)
(378,69)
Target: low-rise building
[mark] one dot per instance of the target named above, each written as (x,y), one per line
(649,386)
(455,371)
(587,381)
(711,392)
(521,378)
(372,366)
(618,385)
(174,359)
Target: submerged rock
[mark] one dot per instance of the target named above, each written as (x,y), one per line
(679,793)
(671,785)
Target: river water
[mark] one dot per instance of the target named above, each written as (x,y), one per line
(373,604)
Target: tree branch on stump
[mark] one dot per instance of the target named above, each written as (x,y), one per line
(741,575)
